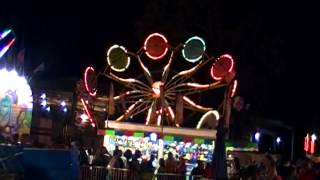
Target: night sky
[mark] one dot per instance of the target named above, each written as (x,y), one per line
(274,43)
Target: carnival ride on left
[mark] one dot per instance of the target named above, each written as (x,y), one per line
(16,99)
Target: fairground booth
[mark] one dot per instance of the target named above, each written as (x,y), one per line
(192,144)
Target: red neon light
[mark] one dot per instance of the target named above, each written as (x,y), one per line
(218,71)
(151,52)
(213,76)
(306,143)
(87,111)
(309,144)
(92,92)
(312,147)
(228,57)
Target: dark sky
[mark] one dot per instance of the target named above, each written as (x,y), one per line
(273,42)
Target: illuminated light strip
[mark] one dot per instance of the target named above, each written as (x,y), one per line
(234,88)
(214,112)
(171,112)
(159,120)
(5,33)
(188,100)
(145,46)
(148,116)
(159,117)
(196,85)
(131,107)
(241,149)
(108,59)
(190,39)
(89,90)
(6,48)
(87,111)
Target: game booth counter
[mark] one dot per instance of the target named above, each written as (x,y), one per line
(192,144)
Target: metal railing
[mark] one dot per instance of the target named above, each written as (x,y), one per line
(104,173)
(170,176)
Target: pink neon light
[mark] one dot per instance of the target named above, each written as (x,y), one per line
(146,42)
(11,42)
(234,88)
(87,111)
(6,48)
(89,90)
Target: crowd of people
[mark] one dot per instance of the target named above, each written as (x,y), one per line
(266,168)
(270,169)
(141,167)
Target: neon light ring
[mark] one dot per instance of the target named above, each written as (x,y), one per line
(90,81)
(156,46)
(222,67)
(117,58)
(193,49)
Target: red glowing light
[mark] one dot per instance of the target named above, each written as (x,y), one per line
(89,81)
(222,67)
(306,143)
(309,144)
(312,148)
(86,110)
(156,46)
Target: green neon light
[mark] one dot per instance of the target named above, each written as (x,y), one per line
(198,140)
(110,132)
(138,134)
(168,138)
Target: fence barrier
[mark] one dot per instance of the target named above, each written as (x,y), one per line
(104,173)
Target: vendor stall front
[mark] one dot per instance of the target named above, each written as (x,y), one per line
(192,144)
